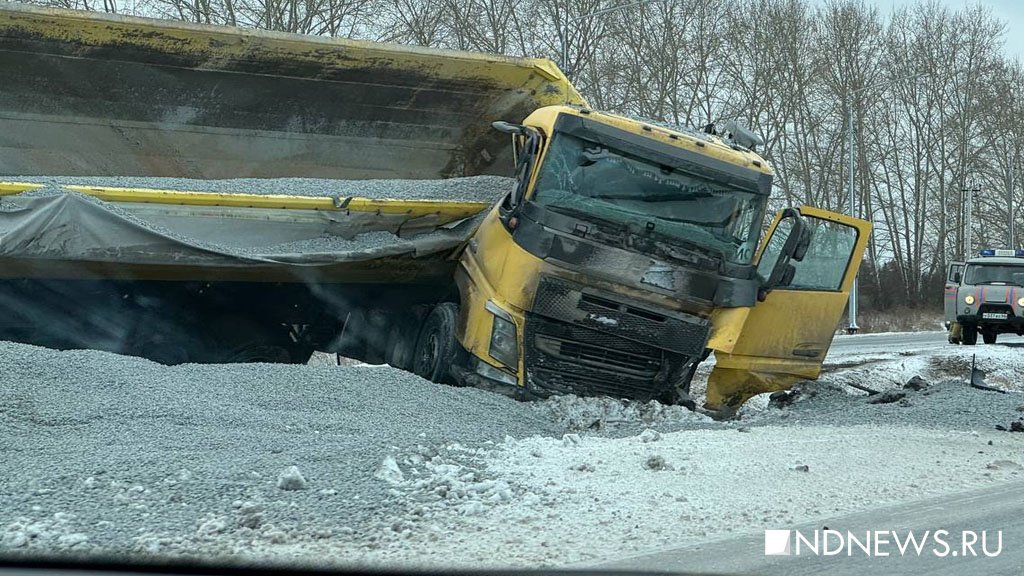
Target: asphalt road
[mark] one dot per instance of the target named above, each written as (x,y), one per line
(901,341)
(887,342)
(992,509)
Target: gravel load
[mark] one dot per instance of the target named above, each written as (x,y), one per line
(487,189)
(114,453)
(369,465)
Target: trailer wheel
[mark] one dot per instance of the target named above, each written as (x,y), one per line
(989,337)
(436,347)
(969,334)
(402,339)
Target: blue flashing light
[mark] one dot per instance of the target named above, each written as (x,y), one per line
(1017,253)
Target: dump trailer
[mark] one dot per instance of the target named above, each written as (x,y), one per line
(619,255)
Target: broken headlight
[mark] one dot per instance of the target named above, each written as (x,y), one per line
(504,347)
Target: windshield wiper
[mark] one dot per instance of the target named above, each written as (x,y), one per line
(587,216)
(649,241)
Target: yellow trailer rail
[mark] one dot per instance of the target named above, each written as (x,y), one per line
(444,211)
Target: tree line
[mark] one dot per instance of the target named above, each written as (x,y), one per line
(937,107)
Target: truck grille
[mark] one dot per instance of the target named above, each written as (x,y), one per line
(563,358)
(600,356)
(586,343)
(579,306)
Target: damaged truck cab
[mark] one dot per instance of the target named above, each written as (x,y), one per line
(618,263)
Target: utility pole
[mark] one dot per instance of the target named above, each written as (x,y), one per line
(1009,209)
(851,144)
(852,312)
(970,209)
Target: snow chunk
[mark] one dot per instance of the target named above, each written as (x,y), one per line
(650,435)
(291,478)
(390,472)
(72,540)
(212,526)
(13,539)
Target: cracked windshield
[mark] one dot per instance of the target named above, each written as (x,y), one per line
(655,286)
(587,179)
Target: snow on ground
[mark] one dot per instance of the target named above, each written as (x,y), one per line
(550,501)
(1004,363)
(108,454)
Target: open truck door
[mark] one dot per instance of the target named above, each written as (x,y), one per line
(807,264)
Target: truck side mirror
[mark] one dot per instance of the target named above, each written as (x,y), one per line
(956,277)
(803,243)
(789,240)
(525,146)
(509,128)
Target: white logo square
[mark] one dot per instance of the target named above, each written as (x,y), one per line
(776,543)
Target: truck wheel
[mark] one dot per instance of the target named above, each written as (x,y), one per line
(401,344)
(436,347)
(969,334)
(988,337)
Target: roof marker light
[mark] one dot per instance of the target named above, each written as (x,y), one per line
(1016,253)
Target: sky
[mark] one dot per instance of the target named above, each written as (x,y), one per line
(1010,11)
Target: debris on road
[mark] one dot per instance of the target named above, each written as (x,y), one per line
(887,397)
(291,478)
(916,383)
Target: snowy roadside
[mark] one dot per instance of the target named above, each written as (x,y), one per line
(550,502)
(120,455)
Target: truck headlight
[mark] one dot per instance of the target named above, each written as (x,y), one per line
(1020,301)
(969,299)
(504,347)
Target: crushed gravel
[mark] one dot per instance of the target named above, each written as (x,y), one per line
(137,456)
(371,465)
(487,189)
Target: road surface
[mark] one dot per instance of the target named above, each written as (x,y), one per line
(995,508)
(903,341)
(887,342)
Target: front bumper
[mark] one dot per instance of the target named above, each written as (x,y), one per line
(585,342)
(1011,322)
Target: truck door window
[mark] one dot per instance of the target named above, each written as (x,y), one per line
(827,257)
(955,272)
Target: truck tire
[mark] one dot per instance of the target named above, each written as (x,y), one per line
(402,339)
(989,337)
(969,334)
(436,347)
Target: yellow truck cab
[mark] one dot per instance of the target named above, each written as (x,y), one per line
(613,267)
